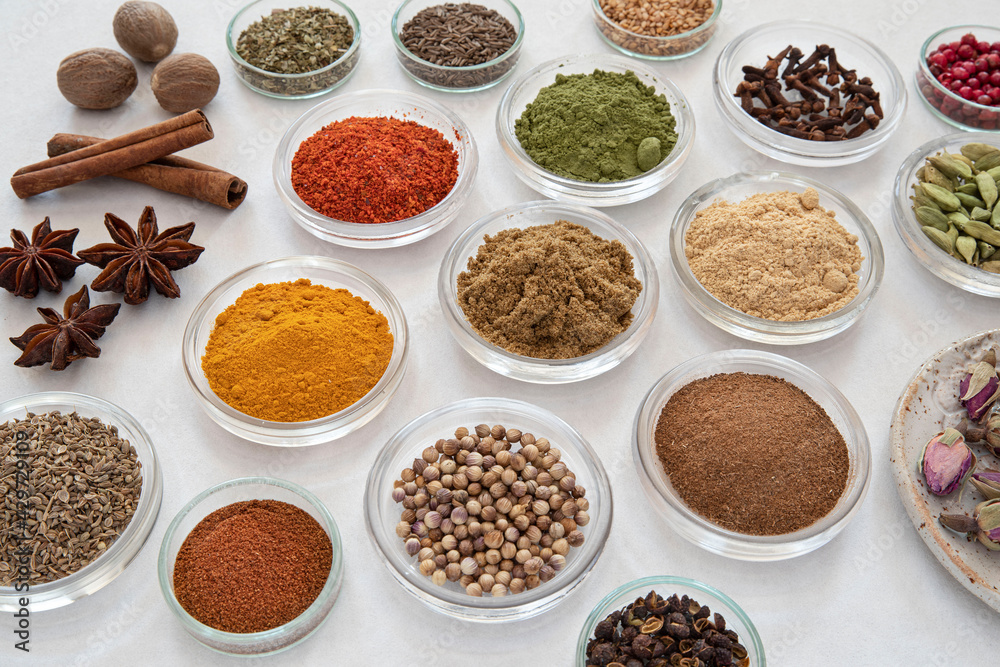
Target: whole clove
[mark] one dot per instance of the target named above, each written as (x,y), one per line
(816,98)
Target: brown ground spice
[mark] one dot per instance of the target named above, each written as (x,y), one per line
(752,453)
(252,566)
(550,291)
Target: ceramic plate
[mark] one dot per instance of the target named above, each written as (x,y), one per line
(929,403)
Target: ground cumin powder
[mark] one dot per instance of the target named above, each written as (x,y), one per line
(775,255)
(550,291)
(752,453)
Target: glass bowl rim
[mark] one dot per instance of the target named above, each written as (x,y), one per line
(922,68)
(663,39)
(237,58)
(512,51)
(606,606)
(397,361)
(330,587)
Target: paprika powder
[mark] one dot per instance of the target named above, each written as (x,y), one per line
(295,351)
(373,170)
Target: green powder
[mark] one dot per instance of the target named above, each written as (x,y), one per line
(597,127)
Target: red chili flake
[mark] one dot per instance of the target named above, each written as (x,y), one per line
(372,170)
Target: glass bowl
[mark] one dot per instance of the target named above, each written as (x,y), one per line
(736,188)
(753,48)
(530,369)
(104,569)
(946,104)
(665,586)
(671,47)
(320,270)
(935,260)
(382,103)
(382,514)
(525,89)
(292,86)
(711,537)
(227,493)
(457,79)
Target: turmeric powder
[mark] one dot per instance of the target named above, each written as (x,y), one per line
(295,351)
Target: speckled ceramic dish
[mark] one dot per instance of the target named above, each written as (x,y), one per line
(927,405)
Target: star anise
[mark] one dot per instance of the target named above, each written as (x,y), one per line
(61,340)
(136,260)
(43,262)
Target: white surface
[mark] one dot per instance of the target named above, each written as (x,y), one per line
(873,596)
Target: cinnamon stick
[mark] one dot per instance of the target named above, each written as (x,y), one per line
(170,174)
(107,157)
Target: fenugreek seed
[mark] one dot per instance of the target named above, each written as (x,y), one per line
(474,589)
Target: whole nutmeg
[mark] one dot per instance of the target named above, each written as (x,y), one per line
(96,78)
(184,81)
(145,30)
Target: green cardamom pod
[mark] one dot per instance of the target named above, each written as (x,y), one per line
(995,218)
(931,217)
(940,239)
(966,247)
(923,200)
(946,201)
(937,177)
(918,189)
(974,151)
(953,234)
(970,202)
(965,160)
(992,267)
(950,167)
(981,231)
(988,161)
(986,250)
(994,173)
(969,189)
(957,217)
(980,214)
(987,189)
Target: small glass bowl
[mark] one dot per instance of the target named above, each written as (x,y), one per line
(753,48)
(322,271)
(530,369)
(105,568)
(672,47)
(382,514)
(711,537)
(234,491)
(525,89)
(665,586)
(735,189)
(292,86)
(946,104)
(457,79)
(381,103)
(935,260)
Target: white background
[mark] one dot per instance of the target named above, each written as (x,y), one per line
(873,596)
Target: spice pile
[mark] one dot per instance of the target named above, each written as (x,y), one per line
(295,351)
(775,255)
(252,566)
(620,127)
(458,35)
(955,202)
(553,291)
(752,453)
(374,170)
(658,632)
(81,484)
(644,23)
(970,69)
(494,520)
(851,106)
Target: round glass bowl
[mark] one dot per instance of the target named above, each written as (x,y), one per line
(105,568)
(753,47)
(292,86)
(381,103)
(665,586)
(711,537)
(735,189)
(944,103)
(382,514)
(671,47)
(933,258)
(321,271)
(227,493)
(525,89)
(457,79)
(530,369)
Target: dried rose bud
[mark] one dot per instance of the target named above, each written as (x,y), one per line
(946,462)
(988,517)
(980,389)
(987,482)
(992,435)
